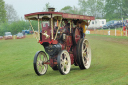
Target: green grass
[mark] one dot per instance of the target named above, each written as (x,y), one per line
(109,64)
(109,36)
(112,29)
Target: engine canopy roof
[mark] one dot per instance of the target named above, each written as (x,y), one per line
(56,15)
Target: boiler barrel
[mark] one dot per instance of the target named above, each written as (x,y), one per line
(53,49)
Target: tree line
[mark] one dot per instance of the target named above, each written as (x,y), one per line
(107,9)
(17,26)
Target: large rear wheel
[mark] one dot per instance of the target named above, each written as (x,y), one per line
(64,62)
(76,36)
(39,60)
(84,54)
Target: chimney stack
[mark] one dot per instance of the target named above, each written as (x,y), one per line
(51,9)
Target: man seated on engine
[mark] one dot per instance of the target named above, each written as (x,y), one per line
(66,28)
(80,29)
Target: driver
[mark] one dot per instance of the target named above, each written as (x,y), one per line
(80,29)
(66,28)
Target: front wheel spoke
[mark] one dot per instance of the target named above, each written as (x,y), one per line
(37,60)
(40,57)
(38,67)
(42,68)
(38,64)
(41,62)
(43,58)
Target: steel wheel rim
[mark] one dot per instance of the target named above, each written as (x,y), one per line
(65,62)
(86,54)
(42,68)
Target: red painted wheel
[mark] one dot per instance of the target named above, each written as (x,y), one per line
(64,62)
(84,54)
(76,36)
(39,59)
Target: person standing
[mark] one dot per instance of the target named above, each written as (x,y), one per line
(124,30)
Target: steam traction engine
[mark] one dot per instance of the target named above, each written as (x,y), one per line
(62,42)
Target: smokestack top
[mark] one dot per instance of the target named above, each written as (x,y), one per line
(51,9)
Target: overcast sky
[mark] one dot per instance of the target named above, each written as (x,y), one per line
(29,6)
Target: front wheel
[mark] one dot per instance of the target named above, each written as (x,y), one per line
(39,63)
(64,62)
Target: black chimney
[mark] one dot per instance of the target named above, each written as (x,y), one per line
(51,9)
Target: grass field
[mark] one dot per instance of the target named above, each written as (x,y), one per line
(109,63)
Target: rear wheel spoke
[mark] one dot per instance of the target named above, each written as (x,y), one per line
(85,56)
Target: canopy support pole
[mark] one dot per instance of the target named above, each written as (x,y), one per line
(58,28)
(38,28)
(70,25)
(87,26)
(33,31)
(52,26)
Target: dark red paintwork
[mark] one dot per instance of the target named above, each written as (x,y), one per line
(75,16)
(69,41)
(77,35)
(72,58)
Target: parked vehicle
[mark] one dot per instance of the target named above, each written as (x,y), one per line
(108,24)
(25,32)
(20,36)
(126,21)
(97,24)
(1,37)
(117,24)
(8,35)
